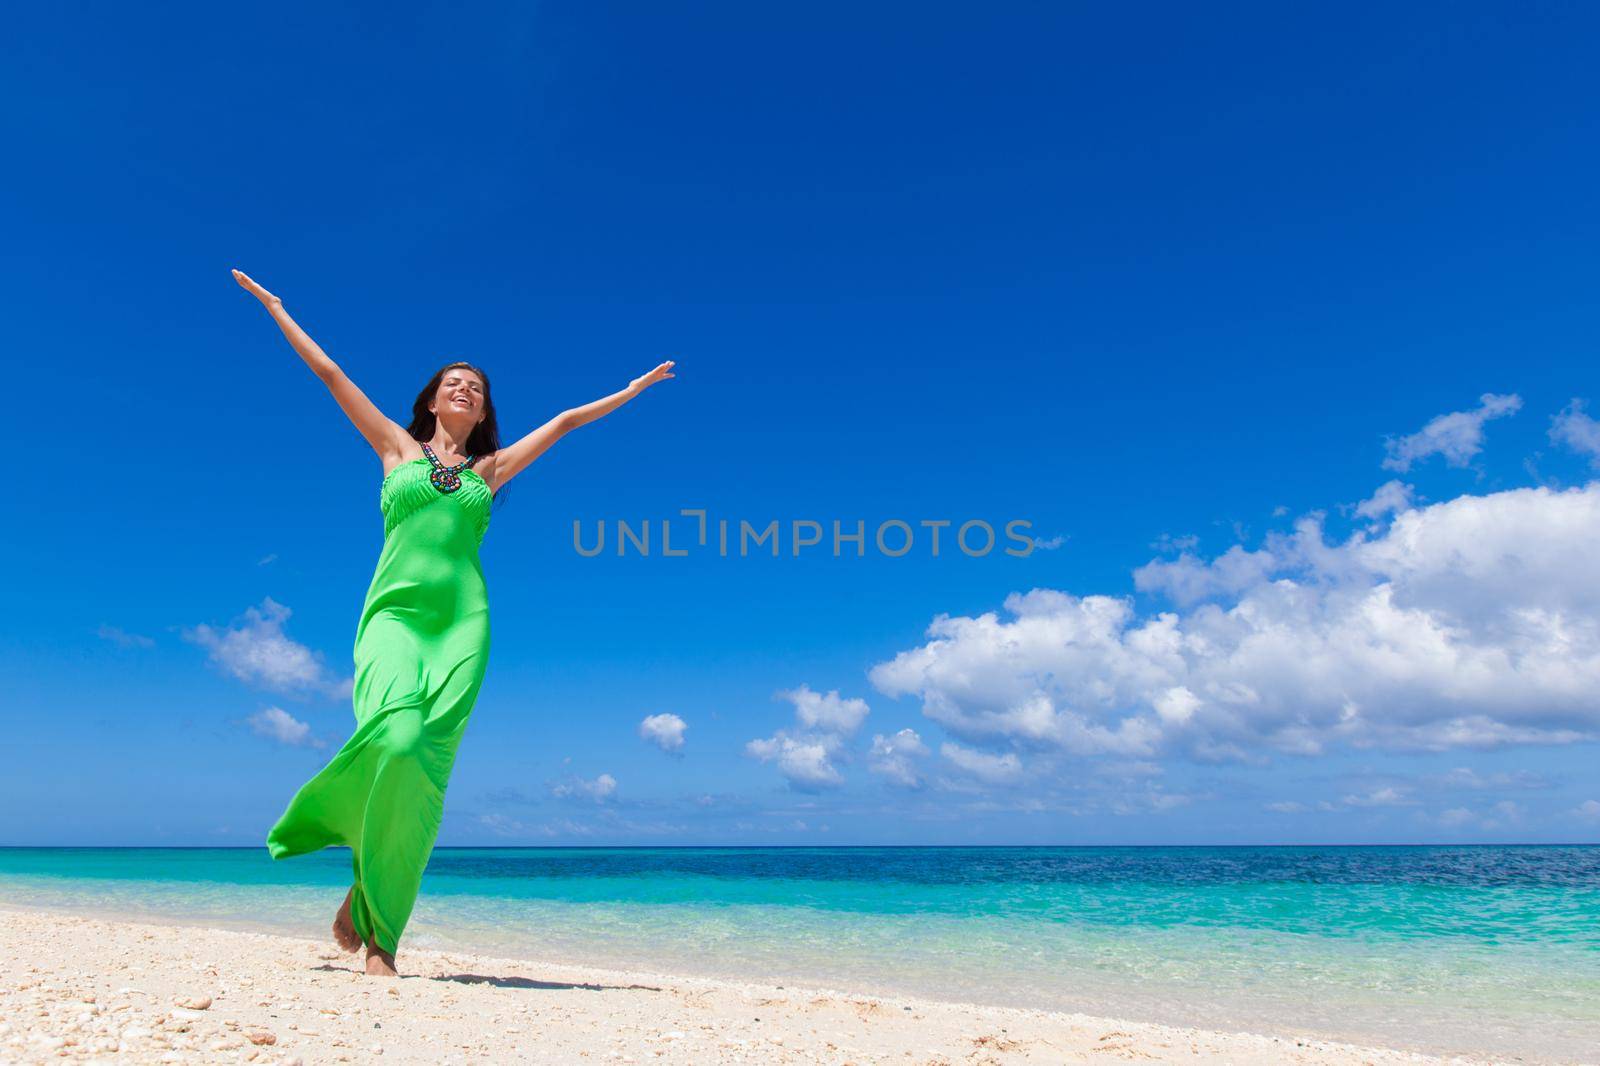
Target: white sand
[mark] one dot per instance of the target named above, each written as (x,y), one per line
(100,990)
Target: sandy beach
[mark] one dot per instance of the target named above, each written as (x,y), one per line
(82,988)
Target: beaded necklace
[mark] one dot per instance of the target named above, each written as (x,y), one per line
(445,478)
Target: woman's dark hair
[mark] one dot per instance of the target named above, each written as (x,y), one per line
(485,436)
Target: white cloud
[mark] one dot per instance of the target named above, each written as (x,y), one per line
(1387,796)
(805,757)
(124,639)
(1391,496)
(255,650)
(502,825)
(1189,579)
(1577,431)
(829,713)
(1176,705)
(892,757)
(1588,810)
(1504,811)
(1498,816)
(1457,436)
(804,761)
(1466,778)
(986,767)
(1152,801)
(664,730)
(1471,623)
(1168,543)
(275,723)
(598,789)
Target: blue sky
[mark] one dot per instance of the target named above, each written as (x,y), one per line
(1169,284)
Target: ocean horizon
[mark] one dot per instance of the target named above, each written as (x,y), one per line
(1468,949)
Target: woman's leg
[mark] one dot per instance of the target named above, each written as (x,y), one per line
(344,931)
(401,821)
(380,963)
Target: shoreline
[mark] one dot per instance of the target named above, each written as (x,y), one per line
(307,1001)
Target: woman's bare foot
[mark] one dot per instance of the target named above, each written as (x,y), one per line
(380,963)
(344,930)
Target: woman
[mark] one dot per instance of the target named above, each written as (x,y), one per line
(422,643)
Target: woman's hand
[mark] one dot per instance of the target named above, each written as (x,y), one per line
(644,381)
(248,284)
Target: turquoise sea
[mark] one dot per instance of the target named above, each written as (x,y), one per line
(1444,949)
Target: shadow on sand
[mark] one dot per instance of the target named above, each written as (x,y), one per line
(500,982)
(528,982)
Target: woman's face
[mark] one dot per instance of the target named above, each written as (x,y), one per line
(460,393)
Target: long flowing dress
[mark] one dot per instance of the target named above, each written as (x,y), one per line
(421,650)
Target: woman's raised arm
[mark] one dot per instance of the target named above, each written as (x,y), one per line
(383,433)
(510,460)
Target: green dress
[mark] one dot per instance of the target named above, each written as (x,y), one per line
(421,650)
